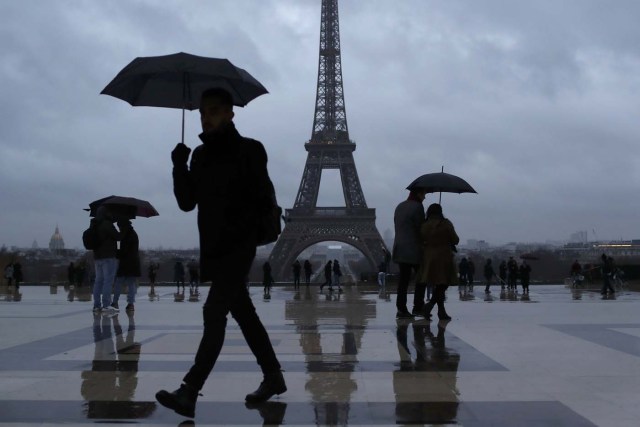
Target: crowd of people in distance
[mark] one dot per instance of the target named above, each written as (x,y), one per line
(508,274)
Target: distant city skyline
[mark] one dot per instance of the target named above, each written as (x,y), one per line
(57,239)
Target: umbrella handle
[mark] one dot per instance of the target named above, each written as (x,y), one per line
(182,125)
(440,197)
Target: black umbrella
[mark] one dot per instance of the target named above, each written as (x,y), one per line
(178,80)
(128,207)
(441,182)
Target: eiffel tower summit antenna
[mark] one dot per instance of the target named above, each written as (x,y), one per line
(329,148)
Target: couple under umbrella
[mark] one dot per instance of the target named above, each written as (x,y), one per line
(426,247)
(227,180)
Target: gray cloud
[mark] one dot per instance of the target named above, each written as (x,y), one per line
(534,103)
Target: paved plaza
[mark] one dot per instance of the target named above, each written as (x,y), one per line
(559,357)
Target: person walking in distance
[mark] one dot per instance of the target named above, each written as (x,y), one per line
(463,270)
(471,272)
(382,274)
(194,275)
(337,273)
(71,274)
(407,252)
(488,275)
(8,273)
(128,265)
(17,274)
(438,267)
(178,275)
(229,183)
(297,269)
(576,273)
(502,271)
(607,271)
(152,273)
(327,276)
(525,274)
(512,268)
(267,279)
(308,269)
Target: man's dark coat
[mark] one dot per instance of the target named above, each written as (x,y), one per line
(228,181)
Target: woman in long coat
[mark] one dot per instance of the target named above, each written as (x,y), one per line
(438,267)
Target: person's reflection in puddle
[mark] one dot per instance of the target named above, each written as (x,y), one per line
(384,294)
(576,294)
(194,295)
(429,354)
(11,293)
(178,296)
(307,293)
(109,387)
(272,413)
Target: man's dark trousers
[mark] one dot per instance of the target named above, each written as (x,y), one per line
(403,287)
(228,293)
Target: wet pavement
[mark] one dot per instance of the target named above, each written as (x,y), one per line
(555,357)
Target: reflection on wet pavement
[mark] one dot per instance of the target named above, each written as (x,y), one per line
(347,360)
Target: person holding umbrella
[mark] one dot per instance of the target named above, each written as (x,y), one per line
(407,251)
(438,266)
(228,182)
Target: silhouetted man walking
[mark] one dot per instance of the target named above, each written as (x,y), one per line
(229,183)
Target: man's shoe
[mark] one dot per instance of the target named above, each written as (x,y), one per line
(444,317)
(270,385)
(417,312)
(114,307)
(97,309)
(182,401)
(404,315)
(130,307)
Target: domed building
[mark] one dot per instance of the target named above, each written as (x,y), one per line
(56,244)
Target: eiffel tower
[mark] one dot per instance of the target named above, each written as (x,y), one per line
(329,148)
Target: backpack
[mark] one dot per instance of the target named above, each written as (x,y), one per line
(91,238)
(269,224)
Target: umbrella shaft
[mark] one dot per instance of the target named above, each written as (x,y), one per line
(182,140)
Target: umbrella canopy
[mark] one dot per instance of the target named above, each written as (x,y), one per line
(178,80)
(129,207)
(441,182)
(529,257)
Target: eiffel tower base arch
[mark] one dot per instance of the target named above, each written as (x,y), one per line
(355,227)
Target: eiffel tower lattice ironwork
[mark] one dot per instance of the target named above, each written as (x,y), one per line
(329,148)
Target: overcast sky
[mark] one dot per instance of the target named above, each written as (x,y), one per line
(535,103)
